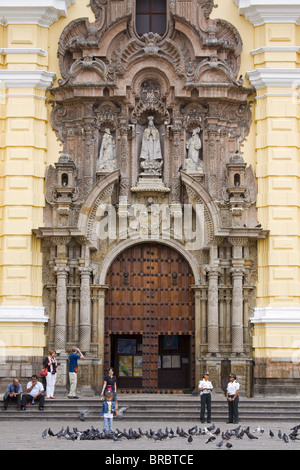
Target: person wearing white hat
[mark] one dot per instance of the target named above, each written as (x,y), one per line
(232,397)
(205,387)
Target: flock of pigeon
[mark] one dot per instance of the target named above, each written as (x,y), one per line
(212,433)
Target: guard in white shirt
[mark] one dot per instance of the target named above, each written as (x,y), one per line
(232,396)
(205,387)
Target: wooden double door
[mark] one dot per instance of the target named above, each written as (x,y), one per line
(149,319)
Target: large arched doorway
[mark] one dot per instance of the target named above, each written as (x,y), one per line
(149,319)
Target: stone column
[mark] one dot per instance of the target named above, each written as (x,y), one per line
(197,290)
(212,310)
(85,326)
(237,309)
(60,335)
(101,328)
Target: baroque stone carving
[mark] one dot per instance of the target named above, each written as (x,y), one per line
(150,121)
(151,156)
(107,155)
(193,146)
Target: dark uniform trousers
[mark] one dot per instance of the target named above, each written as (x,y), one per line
(233,409)
(205,402)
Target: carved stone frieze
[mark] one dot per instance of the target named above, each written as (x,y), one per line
(150,123)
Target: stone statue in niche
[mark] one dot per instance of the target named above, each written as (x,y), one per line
(107,154)
(151,156)
(193,145)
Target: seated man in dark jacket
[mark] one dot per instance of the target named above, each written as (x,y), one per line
(13,392)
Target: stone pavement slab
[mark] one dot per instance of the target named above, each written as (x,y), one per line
(22,435)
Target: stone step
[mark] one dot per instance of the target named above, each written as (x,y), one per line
(159,408)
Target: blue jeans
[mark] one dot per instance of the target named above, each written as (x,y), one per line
(107,422)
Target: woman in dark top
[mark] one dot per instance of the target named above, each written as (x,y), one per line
(51,364)
(110,385)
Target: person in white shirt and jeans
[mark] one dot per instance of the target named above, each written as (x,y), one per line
(205,387)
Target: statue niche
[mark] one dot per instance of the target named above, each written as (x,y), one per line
(107,155)
(193,163)
(151,160)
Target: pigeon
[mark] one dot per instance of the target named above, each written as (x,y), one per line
(60,433)
(115,437)
(210,439)
(190,439)
(285,438)
(219,444)
(217,432)
(193,430)
(261,430)
(271,434)
(251,436)
(83,414)
(50,432)
(228,445)
(295,428)
(44,434)
(66,431)
(293,436)
(226,436)
(182,433)
(122,411)
(236,430)
(280,434)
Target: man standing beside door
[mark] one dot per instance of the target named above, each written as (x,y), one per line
(205,387)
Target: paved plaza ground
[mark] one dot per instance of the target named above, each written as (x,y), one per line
(27,435)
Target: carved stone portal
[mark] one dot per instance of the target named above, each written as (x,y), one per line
(151,128)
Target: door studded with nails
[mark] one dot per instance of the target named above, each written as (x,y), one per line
(150,296)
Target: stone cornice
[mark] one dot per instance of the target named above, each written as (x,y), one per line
(40,12)
(22,314)
(276,315)
(274,77)
(40,79)
(259,12)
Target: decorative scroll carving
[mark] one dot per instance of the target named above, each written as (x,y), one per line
(150,121)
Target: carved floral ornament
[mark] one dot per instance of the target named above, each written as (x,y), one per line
(151,129)
(113,81)
(81,40)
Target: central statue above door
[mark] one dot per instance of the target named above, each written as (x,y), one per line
(152,114)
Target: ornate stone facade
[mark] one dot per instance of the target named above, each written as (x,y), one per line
(180,97)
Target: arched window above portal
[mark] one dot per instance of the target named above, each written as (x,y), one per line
(151,16)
